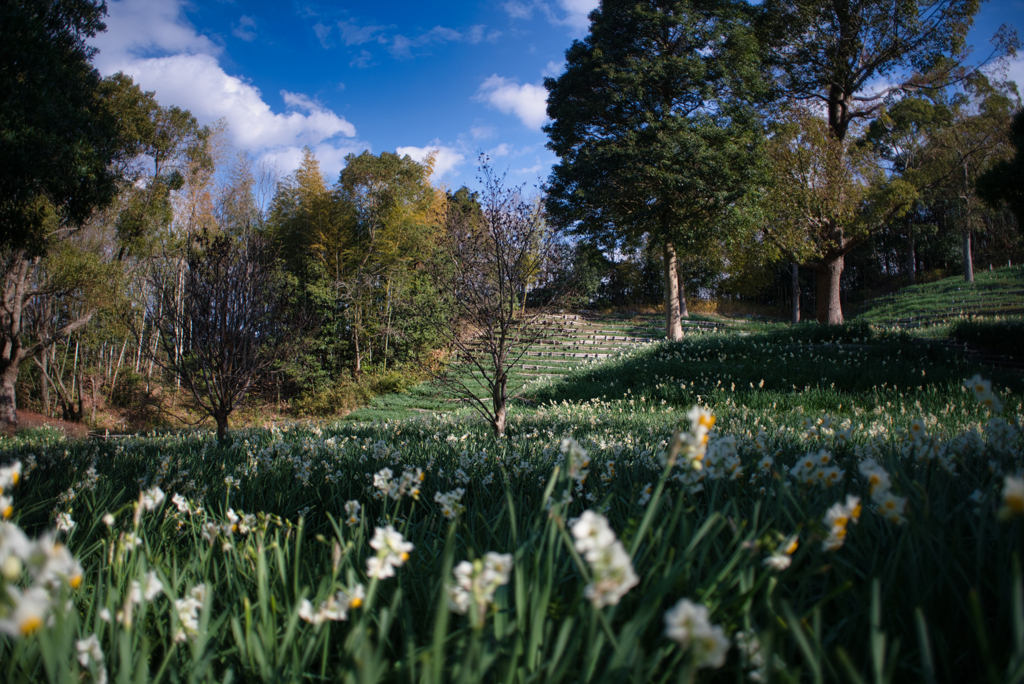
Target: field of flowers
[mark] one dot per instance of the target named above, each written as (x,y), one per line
(793,504)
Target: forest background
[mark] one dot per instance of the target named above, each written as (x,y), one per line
(91,270)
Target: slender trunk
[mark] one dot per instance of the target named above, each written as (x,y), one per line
(683,311)
(911,255)
(8,397)
(968,262)
(500,401)
(830,308)
(45,384)
(222,426)
(673,326)
(795,284)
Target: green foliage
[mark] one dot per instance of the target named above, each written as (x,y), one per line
(654,124)
(1004,181)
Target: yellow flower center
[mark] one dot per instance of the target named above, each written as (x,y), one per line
(855,513)
(1015,502)
(8,512)
(30,625)
(405,556)
(841,522)
(355,603)
(76,581)
(791,549)
(707,421)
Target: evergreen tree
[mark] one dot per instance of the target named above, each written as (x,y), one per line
(655,126)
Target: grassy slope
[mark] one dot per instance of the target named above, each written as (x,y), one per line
(992,292)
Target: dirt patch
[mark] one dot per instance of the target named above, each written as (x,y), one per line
(28,420)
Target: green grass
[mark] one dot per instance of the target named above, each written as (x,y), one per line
(936,598)
(992,293)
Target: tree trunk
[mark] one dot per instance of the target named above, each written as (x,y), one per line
(45,385)
(830,308)
(500,401)
(673,326)
(8,398)
(968,262)
(795,284)
(683,311)
(222,426)
(911,256)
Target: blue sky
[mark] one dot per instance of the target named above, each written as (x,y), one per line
(456,77)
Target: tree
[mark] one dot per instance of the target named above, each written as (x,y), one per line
(819,182)
(836,52)
(58,138)
(494,249)
(655,127)
(901,134)
(975,138)
(1004,180)
(385,204)
(56,281)
(222,323)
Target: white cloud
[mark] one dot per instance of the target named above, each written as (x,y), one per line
(323,33)
(354,34)
(483,132)
(501,150)
(518,10)
(154,43)
(575,13)
(363,60)
(572,13)
(1015,72)
(526,101)
(553,69)
(245,29)
(445,158)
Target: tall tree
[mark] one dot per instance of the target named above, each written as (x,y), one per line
(54,280)
(976,137)
(655,127)
(386,202)
(1004,181)
(57,136)
(836,52)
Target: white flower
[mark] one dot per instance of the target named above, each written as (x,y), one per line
(64,522)
(611,565)
(709,647)
(152,498)
(379,568)
(476,582)
(9,476)
(181,503)
(6,507)
(683,619)
(777,561)
(591,531)
(29,611)
(1013,496)
(89,650)
(687,624)
(188,612)
(352,509)
(108,520)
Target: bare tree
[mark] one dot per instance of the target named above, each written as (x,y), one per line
(498,277)
(221,320)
